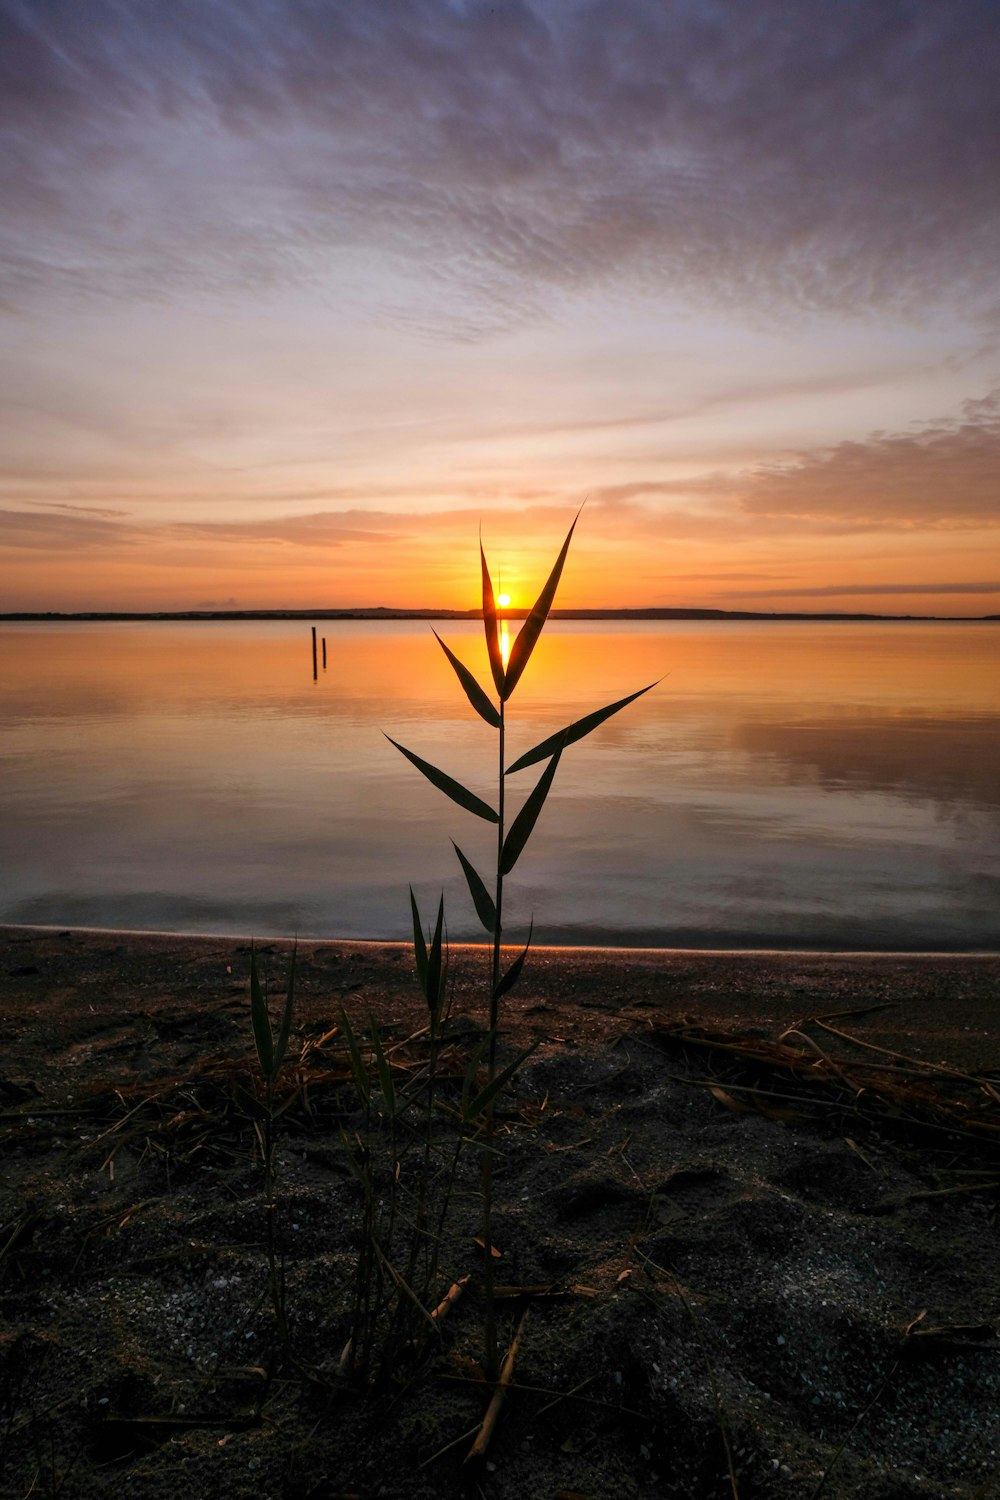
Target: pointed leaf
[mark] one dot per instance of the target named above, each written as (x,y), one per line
(249,1103)
(419,946)
(281,1046)
(575,731)
(520,829)
(532,627)
(489,1093)
(490,625)
(469,1076)
(475,694)
(435,963)
(482,900)
(361,1080)
(383,1069)
(356,1165)
(447,784)
(512,975)
(261,1020)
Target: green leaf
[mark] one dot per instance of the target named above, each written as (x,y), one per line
(520,829)
(250,1104)
(361,1080)
(508,981)
(532,627)
(357,1165)
(490,625)
(575,731)
(475,694)
(281,1046)
(482,900)
(469,1076)
(383,1069)
(484,1099)
(419,946)
(435,963)
(261,1020)
(447,784)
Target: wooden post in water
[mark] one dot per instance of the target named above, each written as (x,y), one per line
(324,653)
(314,653)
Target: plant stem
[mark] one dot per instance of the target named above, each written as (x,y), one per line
(494,1004)
(490,1318)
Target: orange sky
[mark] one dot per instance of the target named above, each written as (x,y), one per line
(295,302)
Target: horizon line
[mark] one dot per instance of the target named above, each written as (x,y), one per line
(390,612)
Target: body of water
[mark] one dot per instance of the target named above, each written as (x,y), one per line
(832,785)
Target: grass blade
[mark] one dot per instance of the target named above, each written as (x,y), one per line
(469,1076)
(382,1068)
(435,963)
(475,694)
(357,1166)
(481,898)
(361,1080)
(575,731)
(447,784)
(419,946)
(490,625)
(486,1096)
(514,972)
(532,627)
(261,1020)
(250,1104)
(520,829)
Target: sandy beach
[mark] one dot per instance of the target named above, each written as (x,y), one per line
(746,1216)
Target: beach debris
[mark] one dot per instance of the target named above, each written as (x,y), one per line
(489,1422)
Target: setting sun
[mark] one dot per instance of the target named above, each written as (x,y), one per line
(503,600)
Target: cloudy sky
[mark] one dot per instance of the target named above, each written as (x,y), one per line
(296,294)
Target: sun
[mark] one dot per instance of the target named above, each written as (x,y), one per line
(503,600)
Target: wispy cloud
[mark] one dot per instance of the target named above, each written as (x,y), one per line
(322,529)
(41,531)
(943,475)
(105,511)
(858,590)
(828,157)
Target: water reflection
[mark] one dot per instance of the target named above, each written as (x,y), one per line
(785,784)
(947,760)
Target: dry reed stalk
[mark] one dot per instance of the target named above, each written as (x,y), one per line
(486,1430)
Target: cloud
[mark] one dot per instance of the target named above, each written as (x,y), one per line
(32,530)
(86,510)
(321,529)
(818,157)
(944,475)
(835,590)
(88,527)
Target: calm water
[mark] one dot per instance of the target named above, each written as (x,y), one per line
(786,784)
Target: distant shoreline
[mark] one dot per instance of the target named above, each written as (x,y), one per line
(380,613)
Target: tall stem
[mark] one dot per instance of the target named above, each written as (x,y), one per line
(494,1004)
(490,1321)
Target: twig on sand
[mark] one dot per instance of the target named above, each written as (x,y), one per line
(479,1447)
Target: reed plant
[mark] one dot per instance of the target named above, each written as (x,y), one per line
(511,839)
(406,1171)
(271,1048)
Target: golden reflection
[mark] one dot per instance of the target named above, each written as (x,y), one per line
(785,671)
